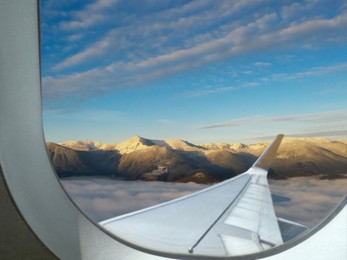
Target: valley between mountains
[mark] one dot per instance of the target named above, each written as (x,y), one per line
(180,161)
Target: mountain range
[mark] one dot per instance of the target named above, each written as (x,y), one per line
(181,161)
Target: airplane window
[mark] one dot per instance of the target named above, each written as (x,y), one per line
(149,101)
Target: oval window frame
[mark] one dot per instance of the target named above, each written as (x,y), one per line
(28,173)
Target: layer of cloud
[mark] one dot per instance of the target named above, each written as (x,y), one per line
(97,49)
(329,133)
(262,64)
(326,117)
(101,198)
(313,72)
(93,14)
(175,40)
(87,115)
(209,90)
(311,199)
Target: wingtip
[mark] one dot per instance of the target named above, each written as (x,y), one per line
(267,156)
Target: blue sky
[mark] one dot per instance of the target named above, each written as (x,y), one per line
(203,71)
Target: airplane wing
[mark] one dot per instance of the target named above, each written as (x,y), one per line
(232,218)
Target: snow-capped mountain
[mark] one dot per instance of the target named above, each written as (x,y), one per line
(179,160)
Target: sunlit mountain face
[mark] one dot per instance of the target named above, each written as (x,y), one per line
(139,158)
(203,71)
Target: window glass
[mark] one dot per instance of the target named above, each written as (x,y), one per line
(147,101)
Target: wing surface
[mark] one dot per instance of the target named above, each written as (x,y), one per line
(232,218)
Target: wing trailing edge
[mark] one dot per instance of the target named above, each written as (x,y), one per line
(290,229)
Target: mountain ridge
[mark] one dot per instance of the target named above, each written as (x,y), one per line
(180,160)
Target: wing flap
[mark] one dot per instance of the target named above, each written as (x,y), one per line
(176,226)
(290,229)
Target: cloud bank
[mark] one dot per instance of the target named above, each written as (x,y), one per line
(311,199)
(101,198)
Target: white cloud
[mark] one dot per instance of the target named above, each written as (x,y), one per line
(313,72)
(208,91)
(122,75)
(312,199)
(204,91)
(315,133)
(64,86)
(75,37)
(151,58)
(161,22)
(102,198)
(262,64)
(326,117)
(87,115)
(96,50)
(91,15)
(313,28)
(297,10)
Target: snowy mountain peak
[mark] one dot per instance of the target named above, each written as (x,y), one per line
(133,144)
(238,147)
(183,145)
(85,145)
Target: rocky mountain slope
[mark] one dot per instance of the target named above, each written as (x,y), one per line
(311,156)
(178,160)
(70,162)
